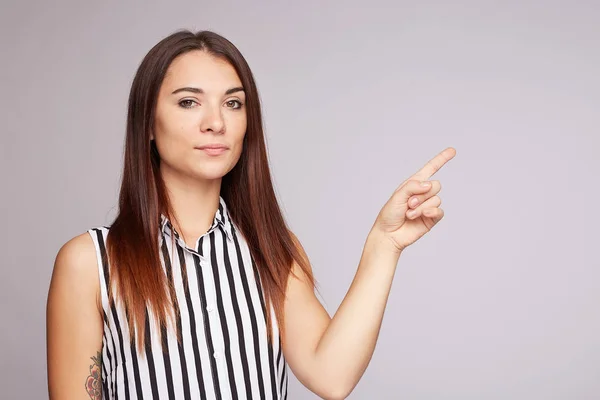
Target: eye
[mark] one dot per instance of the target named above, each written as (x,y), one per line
(234,102)
(186,103)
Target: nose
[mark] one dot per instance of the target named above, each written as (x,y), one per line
(212,120)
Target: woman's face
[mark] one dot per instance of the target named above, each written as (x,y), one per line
(201,102)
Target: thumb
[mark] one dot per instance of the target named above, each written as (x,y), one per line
(410,188)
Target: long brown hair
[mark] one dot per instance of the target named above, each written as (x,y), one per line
(137,277)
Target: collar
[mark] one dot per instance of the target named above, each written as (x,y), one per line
(221,218)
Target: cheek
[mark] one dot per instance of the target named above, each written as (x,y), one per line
(237,154)
(239,148)
(236,130)
(239,131)
(173,145)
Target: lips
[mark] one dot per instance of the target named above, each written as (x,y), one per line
(213,147)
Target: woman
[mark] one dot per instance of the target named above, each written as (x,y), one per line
(171,300)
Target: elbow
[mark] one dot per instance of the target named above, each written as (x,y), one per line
(338,392)
(329,389)
(330,382)
(337,395)
(337,383)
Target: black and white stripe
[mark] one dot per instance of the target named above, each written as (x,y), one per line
(219,313)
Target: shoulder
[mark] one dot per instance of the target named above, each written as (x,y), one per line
(297,272)
(74,317)
(78,255)
(76,269)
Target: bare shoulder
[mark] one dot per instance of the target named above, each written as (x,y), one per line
(75,267)
(297,272)
(77,257)
(74,324)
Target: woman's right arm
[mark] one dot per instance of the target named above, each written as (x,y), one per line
(74,323)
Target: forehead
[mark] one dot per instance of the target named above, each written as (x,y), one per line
(200,69)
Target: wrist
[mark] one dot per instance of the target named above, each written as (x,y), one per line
(381,243)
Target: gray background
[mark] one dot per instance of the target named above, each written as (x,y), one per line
(499,301)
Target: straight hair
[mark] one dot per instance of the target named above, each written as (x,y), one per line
(137,279)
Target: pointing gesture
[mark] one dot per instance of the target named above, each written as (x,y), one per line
(413,209)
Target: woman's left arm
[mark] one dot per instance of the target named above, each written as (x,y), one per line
(329,355)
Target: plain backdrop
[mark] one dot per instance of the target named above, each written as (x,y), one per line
(499,301)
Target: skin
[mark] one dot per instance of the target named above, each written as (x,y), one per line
(330,355)
(327,354)
(186,120)
(73,319)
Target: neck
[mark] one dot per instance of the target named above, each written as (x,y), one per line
(194,202)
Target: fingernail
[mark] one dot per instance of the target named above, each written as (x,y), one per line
(414,201)
(411,213)
(425,183)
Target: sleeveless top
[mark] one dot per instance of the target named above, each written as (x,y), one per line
(220,313)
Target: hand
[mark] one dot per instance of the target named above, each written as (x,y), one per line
(395,221)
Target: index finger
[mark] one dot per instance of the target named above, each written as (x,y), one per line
(435,164)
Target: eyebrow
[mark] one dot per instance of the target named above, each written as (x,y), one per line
(200,91)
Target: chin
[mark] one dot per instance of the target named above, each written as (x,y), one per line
(211,173)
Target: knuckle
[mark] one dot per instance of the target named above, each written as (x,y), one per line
(433,201)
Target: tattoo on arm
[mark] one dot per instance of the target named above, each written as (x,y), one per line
(93,383)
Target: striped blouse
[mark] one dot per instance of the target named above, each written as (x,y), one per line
(224,352)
